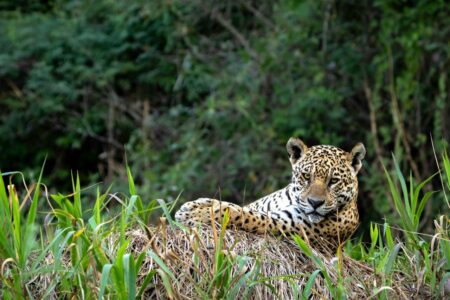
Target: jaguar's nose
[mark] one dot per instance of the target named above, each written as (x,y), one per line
(315,203)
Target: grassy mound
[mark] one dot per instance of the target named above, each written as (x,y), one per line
(208,262)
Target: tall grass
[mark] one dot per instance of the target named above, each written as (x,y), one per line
(17,237)
(87,252)
(409,202)
(424,257)
(73,252)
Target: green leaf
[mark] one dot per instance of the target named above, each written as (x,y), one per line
(392,256)
(388,236)
(147,279)
(166,283)
(131,185)
(308,286)
(104,280)
(161,264)
(444,282)
(243,280)
(303,245)
(27,238)
(166,212)
(130,275)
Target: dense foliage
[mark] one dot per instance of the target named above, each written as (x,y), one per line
(203,95)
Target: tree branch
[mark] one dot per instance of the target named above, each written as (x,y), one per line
(241,39)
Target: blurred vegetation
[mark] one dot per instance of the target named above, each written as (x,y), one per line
(203,95)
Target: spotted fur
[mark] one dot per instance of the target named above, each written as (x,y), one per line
(320,201)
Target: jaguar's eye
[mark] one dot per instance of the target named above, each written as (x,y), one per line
(306,176)
(333,181)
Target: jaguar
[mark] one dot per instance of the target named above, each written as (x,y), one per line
(320,202)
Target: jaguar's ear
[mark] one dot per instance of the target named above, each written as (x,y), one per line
(356,156)
(296,149)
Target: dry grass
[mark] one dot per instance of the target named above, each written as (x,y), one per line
(281,269)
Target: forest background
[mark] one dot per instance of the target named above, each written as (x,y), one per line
(202,96)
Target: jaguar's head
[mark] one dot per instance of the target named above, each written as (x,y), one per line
(324,178)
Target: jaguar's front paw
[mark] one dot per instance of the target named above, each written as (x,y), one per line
(193,212)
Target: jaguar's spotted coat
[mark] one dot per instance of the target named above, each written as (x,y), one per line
(320,201)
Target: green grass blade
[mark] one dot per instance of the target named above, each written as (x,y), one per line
(28,239)
(148,278)
(131,185)
(166,211)
(388,236)
(77,199)
(443,283)
(398,203)
(446,162)
(6,245)
(55,241)
(403,185)
(130,275)
(412,198)
(119,257)
(418,211)
(166,283)
(392,256)
(130,207)
(4,203)
(140,260)
(104,280)
(17,226)
(374,234)
(61,247)
(243,280)
(6,249)
(380,290)
(307,290)
(98,205)
(303,245)
(33,208)
(421,207)
(161,264)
